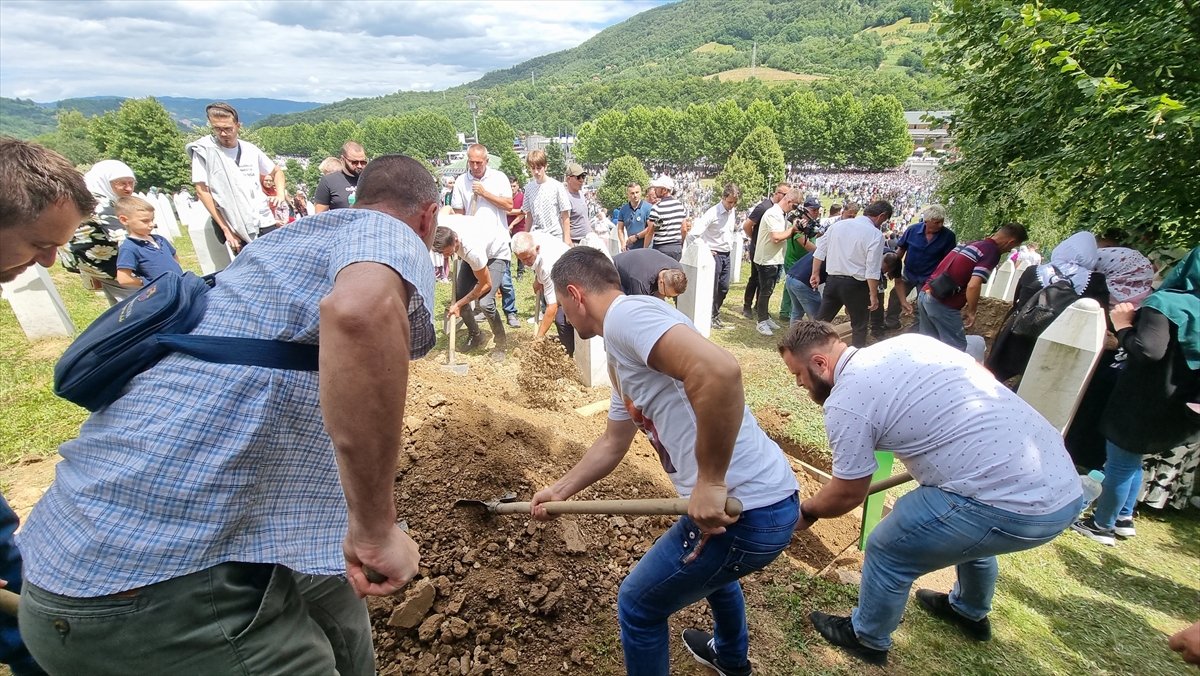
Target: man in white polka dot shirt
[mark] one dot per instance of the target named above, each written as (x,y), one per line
(994,475)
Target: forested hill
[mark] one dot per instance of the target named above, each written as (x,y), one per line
(669,55)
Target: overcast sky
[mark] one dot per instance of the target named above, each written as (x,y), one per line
(304,51)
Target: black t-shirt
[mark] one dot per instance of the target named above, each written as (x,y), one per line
(755,217)
(639,270)
(335,189)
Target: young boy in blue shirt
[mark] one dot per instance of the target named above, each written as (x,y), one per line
(143,255)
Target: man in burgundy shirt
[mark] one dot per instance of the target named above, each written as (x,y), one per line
(516,218)
(963,272)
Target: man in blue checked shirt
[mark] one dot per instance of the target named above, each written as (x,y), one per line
(218,518)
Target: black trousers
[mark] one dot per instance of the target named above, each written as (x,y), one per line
(463,285)
(886,319)
(855,296)
(768,275)
(720,280)
(751,289)
(674,250)
(566,332)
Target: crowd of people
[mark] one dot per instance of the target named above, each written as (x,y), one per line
(220,517)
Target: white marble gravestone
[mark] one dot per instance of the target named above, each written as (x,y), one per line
(614,242)
(162,219)
(999,279)
(1010,291)
(212,255)
(37,305)
(696,303)
(1062,361)
(735,259)
(169,220)
(591,361)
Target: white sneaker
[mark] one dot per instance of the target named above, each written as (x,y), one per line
(771,323)
(532,320)
(765,328)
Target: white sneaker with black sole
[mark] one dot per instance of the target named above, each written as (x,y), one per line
(702,646)
(772,324)
(765,329)
(1088,528)
(1124,528)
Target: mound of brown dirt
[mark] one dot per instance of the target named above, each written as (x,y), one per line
(545,370)
(507,595)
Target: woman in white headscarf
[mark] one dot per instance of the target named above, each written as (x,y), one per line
(92,252)
(1074,260)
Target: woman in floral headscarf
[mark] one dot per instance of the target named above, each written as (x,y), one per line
(93,251)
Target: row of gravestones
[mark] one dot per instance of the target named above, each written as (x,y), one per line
(1058,370)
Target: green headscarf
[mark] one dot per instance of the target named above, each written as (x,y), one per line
(1179,299)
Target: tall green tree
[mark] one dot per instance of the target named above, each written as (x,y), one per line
(621,172)
(747,177)
(761,151)
(556,161)
(496,134)
(143,135)
(803,128)
(511,165)
(71,138)
(883,138)
(1099,100)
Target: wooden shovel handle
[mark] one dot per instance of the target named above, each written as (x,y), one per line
(9,602)
(677,506)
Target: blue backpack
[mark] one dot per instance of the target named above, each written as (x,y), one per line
(136,333)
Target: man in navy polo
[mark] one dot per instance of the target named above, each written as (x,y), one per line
(922,246)
(631,219)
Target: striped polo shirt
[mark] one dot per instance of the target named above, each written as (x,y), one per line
(667,217)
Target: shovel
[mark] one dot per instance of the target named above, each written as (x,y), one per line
(460,369)
(675,506)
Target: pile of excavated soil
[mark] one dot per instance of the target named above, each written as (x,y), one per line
(545,370)
(507,595)
(989,319)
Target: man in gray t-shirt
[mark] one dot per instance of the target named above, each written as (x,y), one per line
(580,223)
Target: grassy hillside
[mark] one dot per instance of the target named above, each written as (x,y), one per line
(24,118)
(661,57)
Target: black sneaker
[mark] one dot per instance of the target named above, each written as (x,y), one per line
(513,321)
(1124,528)
(748,313)
(717,323)
(938,605)
(1088,528)
(840,632)
(701,645)
(474,342)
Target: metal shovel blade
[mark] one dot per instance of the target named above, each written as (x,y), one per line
(488,505)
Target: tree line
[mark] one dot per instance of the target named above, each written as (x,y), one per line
(839,133)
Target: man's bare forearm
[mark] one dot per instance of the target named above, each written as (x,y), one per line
(363,380)
(600,459)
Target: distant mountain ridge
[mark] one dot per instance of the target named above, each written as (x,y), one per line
(25,118)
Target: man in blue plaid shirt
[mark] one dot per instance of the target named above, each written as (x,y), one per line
(217,518)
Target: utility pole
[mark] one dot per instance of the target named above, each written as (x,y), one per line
(473,103)
(531,82)
(753,58)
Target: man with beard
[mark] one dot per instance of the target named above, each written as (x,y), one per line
(994,476)
(336,189)
(685,393)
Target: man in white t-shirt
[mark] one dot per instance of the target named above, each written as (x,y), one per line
(486,252)
(486,194)
(539,252)
(232,191)
(994,475)
(685,394)
(546,200)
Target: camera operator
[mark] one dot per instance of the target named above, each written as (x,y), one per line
(804,221)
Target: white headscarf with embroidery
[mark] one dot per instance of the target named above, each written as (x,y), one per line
(100,177)
(1075,259)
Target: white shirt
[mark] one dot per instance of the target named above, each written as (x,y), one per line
(545,202)
(253,164)
(852,248)
(767,252)
(951,423)
(549,251)
(715,227)
(758,474)
(494,182)
(478,241)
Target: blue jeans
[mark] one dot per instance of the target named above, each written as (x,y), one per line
(941,322)
(507,294)
(1122,483)
(805,299)
(930,529)
(684,566)
(12,648)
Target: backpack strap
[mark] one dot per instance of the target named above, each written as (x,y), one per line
(272,354)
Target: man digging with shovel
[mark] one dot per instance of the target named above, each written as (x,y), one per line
(685,394)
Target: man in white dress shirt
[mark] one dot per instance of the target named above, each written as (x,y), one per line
(852,250)
(485,192)
(716,228)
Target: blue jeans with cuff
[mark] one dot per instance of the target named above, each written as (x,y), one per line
(684,566)
(507,294)
(930,529)
(1122,483)
(941,322)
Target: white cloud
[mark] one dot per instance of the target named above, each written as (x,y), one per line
(314,51)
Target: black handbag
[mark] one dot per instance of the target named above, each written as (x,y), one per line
(943,286)
(1044,307)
